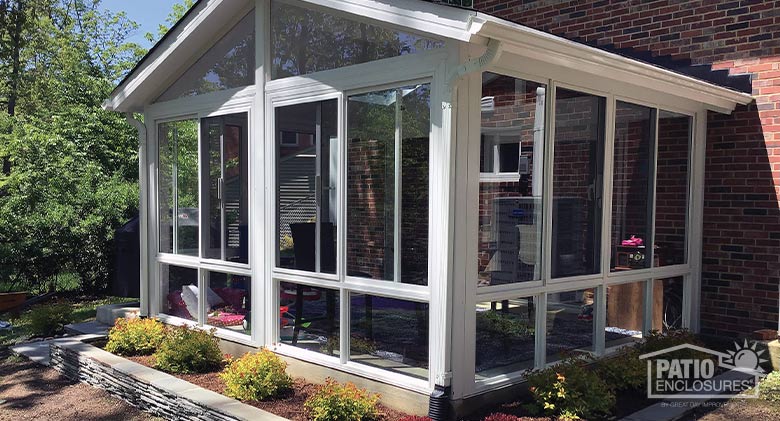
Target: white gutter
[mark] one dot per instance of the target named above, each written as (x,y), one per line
(143,217)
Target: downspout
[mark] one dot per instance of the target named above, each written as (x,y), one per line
(491,55)
(143,217)
(439,403)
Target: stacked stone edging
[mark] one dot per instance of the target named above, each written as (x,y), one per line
(149,390)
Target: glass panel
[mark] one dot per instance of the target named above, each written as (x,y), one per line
(230,63)
(671,197)
(577,183)
(510,207)
(505,337)
(179,287)
(570,325)
(632,191)
(178,186)
(389,334)
(668,304)
(307,183)
(309,318)
(229,302)
(227,236)
(387,179)
(625,313)
(305,41)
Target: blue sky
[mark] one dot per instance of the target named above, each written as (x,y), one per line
(148,13)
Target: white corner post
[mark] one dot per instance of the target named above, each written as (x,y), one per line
(261,268)
(143,214)
(692,293)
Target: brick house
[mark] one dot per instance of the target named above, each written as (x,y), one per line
(436,198)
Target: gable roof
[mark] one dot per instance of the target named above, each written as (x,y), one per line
(209,19)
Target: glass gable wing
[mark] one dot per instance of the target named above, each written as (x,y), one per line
(305,41)
(229,64)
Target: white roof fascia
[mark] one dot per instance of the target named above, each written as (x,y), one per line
(419,16)
(440,21)
(524,41)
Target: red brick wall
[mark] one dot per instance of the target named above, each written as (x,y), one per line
(742,221)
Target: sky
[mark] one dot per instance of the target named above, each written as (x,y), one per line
(147,13)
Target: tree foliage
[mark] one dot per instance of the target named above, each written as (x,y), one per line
(70,168)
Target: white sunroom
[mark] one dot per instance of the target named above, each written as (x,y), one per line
(419,194)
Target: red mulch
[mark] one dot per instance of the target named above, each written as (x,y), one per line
(289,405)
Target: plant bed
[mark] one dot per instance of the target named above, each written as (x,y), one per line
(289,404)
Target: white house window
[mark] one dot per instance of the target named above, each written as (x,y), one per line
(388,150)
(578,176)
(305,41)
(226,189)
(511,180)
(307,186)
(178,187)
(203,195)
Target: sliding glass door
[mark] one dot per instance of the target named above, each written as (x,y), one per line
(225,189)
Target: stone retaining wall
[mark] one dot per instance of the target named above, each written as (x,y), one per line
(147,389)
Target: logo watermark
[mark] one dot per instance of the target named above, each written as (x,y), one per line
(694,372)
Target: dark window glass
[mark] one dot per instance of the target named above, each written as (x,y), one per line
(309,318)
(632,186)
(672,185)
(577,183)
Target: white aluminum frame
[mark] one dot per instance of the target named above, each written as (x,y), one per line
(465,384)
(454,172)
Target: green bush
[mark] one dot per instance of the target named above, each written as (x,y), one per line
(337,402)
(50,320)
(624,371)
(256,376)
(135,336)
(187,350)
(656,341)
(571,389)
(769,388)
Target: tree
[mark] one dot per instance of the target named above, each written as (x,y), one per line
(70,168)
(178,12)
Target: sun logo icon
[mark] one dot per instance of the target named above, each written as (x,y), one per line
(746,358)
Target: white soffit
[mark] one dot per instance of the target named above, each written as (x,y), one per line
(423,17)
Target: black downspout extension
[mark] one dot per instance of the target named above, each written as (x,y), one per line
(439,404)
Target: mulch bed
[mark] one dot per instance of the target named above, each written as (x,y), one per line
(289,405)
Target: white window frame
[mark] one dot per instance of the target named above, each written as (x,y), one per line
(466,384)
(234,101)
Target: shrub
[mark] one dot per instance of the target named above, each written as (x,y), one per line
(135,336)
(624,371)
(342,402)
(769,388)
(187,350)
(656,341)
(500,417)
(571,389)
(256,376)
(50,320)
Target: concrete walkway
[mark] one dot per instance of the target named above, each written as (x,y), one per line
(38,351)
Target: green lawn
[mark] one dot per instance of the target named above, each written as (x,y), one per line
(84,309)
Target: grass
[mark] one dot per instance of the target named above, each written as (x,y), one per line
(84,309)
(65,281)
